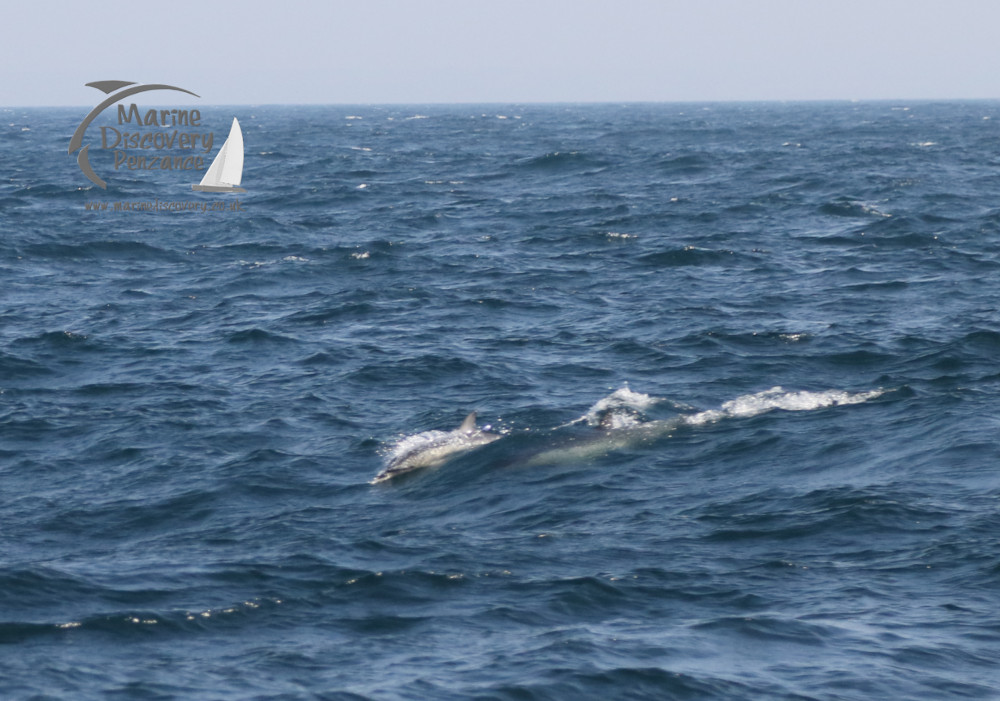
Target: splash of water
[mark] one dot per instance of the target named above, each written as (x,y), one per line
(749,405)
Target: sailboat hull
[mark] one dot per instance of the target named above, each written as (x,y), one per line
(217,188)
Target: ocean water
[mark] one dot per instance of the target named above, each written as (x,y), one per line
(741,361)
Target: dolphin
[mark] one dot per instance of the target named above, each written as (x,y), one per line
(433,448)
(595,442)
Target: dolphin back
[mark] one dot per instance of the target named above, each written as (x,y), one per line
(434,448)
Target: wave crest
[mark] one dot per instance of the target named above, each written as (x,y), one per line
(750,405)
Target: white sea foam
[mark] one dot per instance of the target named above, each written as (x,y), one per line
(777,398)
(618,409)
(417,441)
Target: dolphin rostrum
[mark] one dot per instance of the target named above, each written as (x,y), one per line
(433,448)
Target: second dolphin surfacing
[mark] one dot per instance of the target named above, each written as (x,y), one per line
(433,448)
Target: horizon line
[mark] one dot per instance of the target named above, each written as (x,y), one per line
(527,103)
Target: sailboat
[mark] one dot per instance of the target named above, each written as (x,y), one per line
(226,171)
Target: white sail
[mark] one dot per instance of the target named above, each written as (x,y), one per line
(232,166)
(213,175)
(226,171)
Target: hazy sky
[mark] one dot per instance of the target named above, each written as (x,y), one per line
(423,51)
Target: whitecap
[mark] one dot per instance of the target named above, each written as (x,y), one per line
(750,405)
(618,409)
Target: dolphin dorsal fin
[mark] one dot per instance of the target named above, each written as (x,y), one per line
(469,425)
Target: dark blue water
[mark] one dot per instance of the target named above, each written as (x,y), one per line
(790,312)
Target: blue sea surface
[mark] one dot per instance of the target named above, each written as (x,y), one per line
(742,360)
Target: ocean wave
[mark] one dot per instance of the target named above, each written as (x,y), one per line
(846,207)
(105,250)
(564,162)
(135,624)
(13,367)
(258,336)
(689,255)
